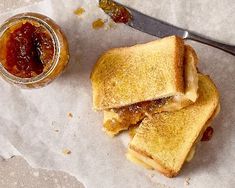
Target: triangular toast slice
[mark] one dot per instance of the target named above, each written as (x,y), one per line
(164,140)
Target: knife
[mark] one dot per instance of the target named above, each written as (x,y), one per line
(155,27)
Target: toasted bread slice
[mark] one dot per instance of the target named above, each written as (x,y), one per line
(148,163)
(144,72)
(165,140)
(116,120)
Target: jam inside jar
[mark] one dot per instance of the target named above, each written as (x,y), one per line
(34,50)
(28,51)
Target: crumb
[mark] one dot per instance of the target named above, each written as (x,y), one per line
(186,181)
(57,130)
(97,24)
(67,152)
(70,115)
(79,11)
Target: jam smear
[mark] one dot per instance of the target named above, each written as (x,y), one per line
(141,107)
(118,13)
(207,135)
(29,49)
(133,114)
(97,24)
(79,11)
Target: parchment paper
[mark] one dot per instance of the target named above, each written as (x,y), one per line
(29,118)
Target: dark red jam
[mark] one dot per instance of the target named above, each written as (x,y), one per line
(207,135)
(118,13)
(29,49)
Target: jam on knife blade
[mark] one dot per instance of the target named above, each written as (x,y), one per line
(118,13)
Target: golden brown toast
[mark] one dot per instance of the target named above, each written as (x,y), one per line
(149,163)
(165,140)
(116,120)
(144,72)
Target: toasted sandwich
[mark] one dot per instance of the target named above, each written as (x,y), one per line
(166,140)
(134,82)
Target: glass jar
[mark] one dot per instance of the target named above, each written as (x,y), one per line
(34,50)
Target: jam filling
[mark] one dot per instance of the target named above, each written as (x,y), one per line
(141,107)
(118,13)
(207,135)
(133,114)
(97,24)
(29,49)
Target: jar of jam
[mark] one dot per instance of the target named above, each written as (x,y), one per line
(33,50)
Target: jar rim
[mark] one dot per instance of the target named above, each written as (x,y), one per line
(42,22)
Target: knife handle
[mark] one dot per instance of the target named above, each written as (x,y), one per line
(202,39)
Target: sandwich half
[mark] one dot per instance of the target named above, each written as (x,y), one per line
(134,82)
(166,140)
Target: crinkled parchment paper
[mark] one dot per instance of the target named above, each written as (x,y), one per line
(35,123)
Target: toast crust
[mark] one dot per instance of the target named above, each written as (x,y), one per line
(156,164)
(190,70)
(124,76)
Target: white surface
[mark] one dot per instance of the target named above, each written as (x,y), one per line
(7,149)
(29,117)
(15,173)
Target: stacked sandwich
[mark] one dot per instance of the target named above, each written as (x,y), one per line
(156,88)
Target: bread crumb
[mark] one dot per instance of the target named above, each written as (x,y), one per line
(70,115)
(79,11)
(97,24)
(186,181)
(66,151)
(57,130)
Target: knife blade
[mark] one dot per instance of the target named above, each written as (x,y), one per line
(139,21)
(156,27)
(153,26)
